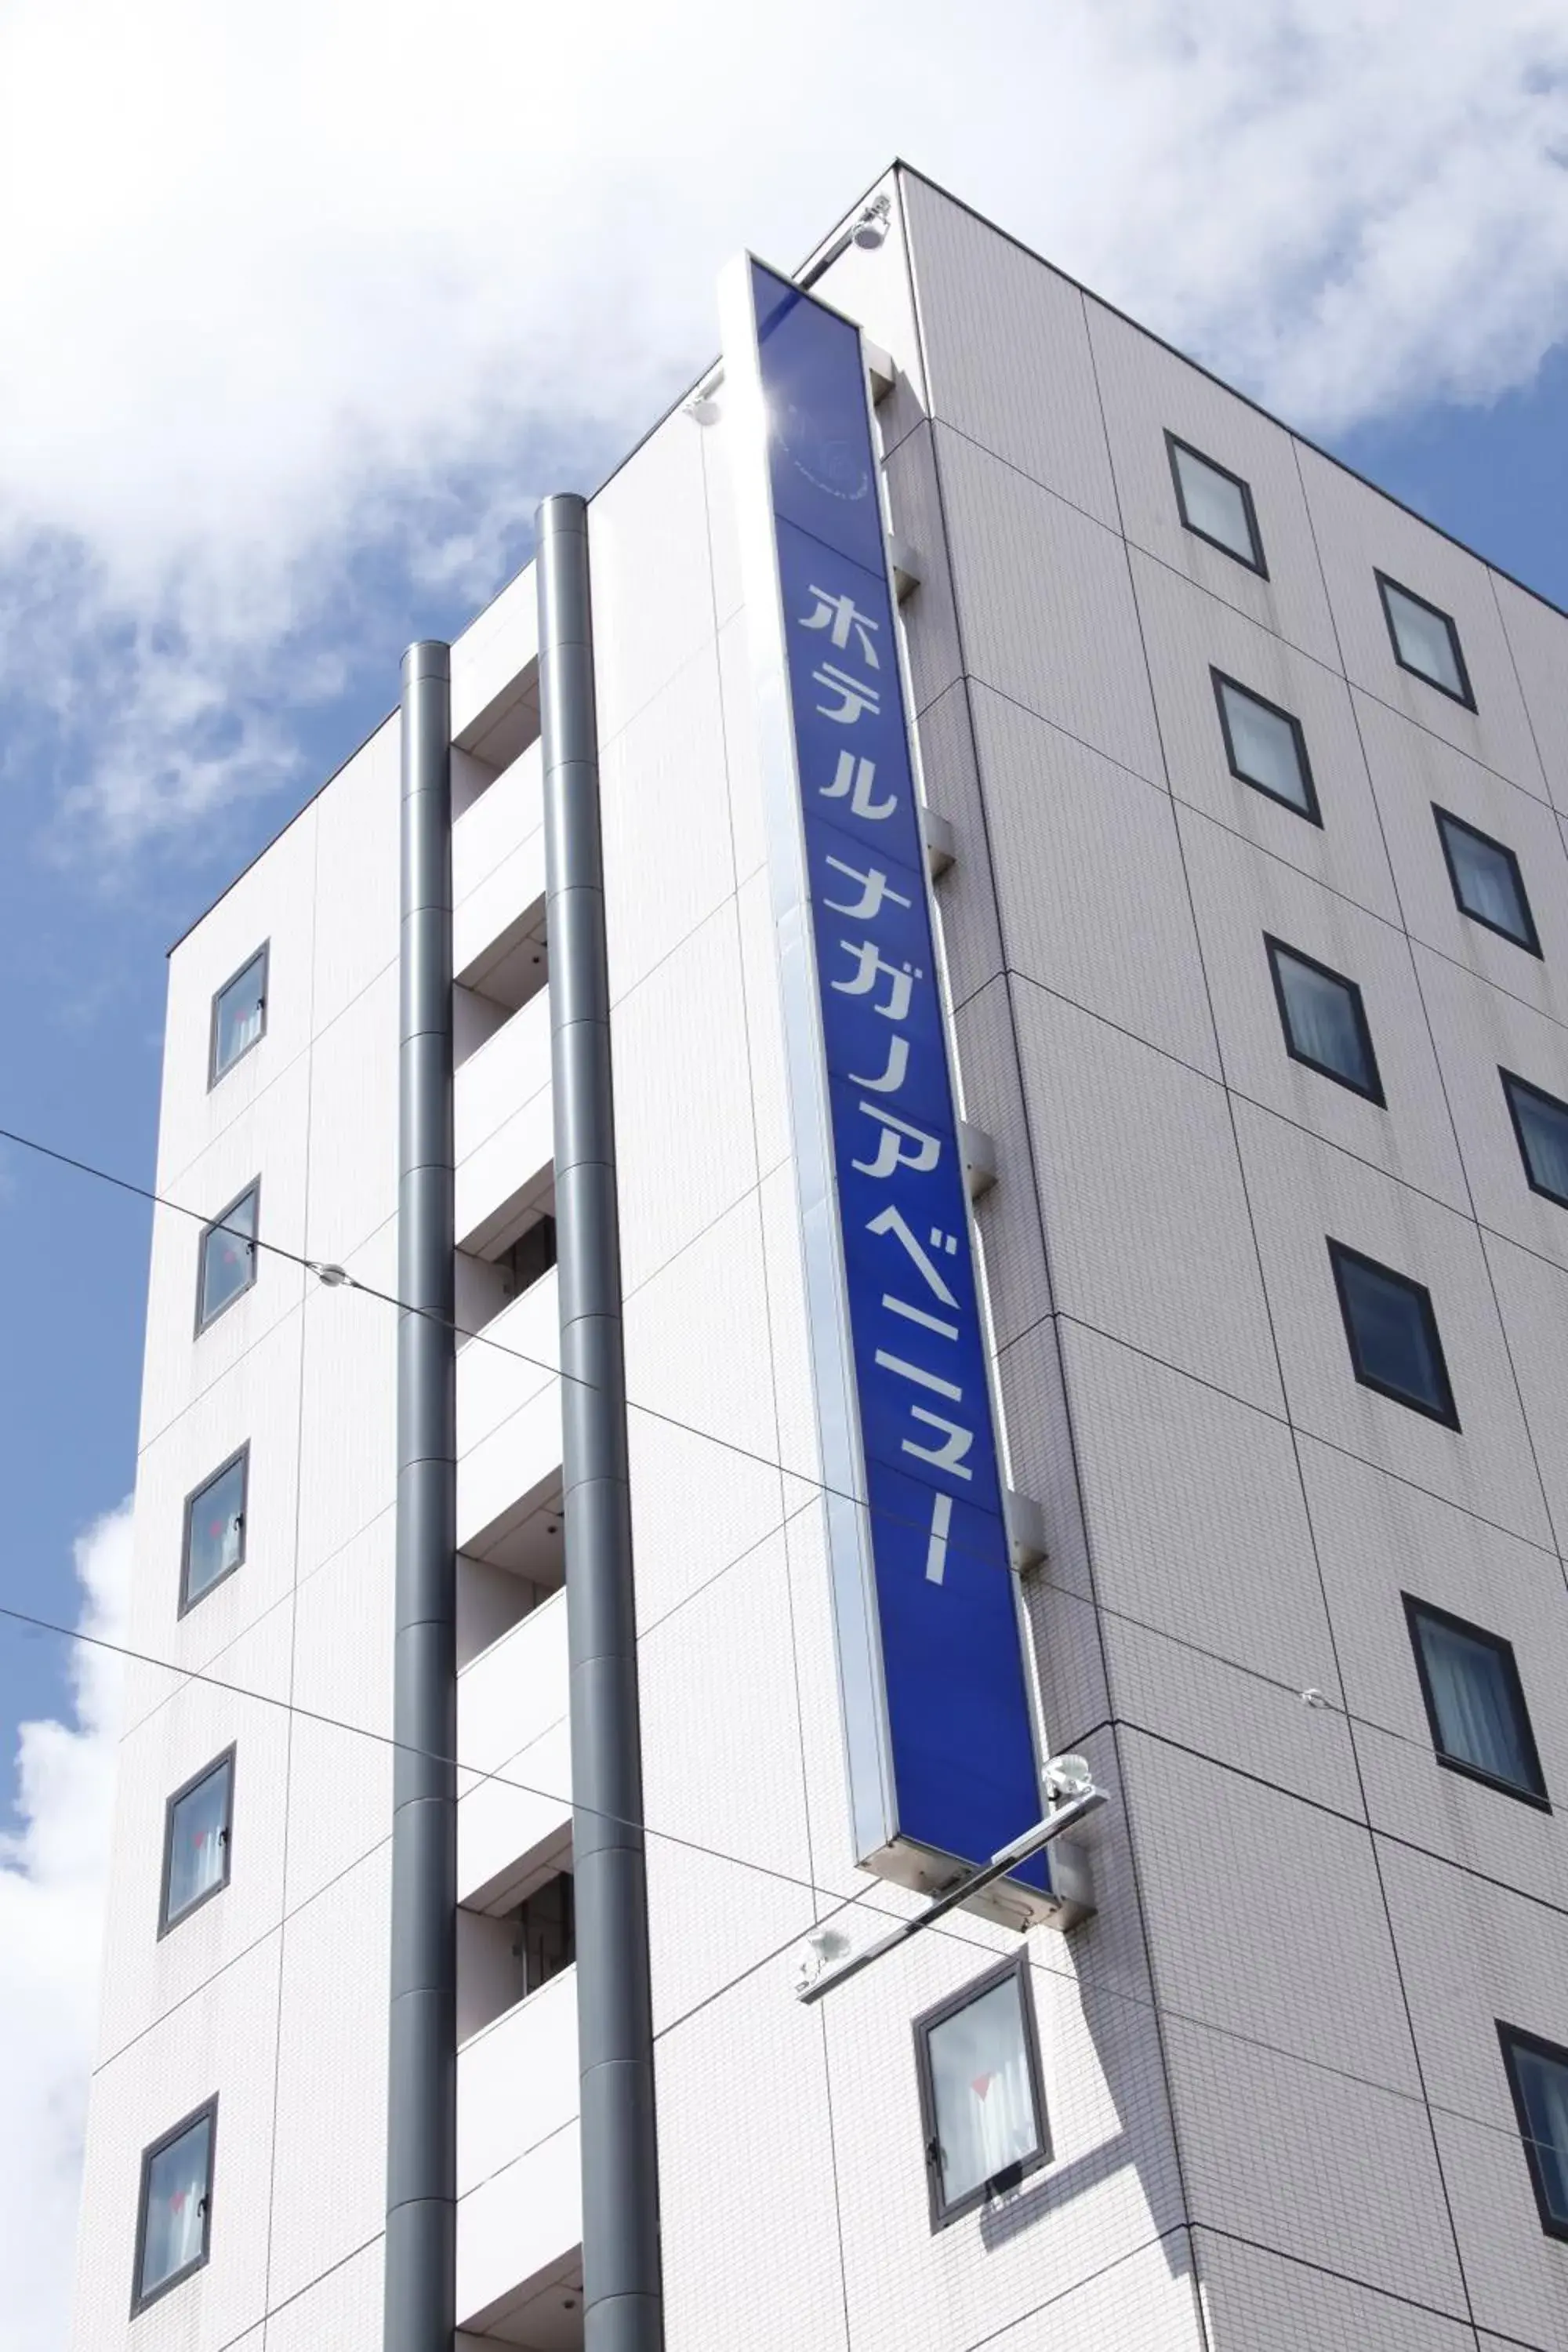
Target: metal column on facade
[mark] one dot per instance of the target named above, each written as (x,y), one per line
(421,2186)
(622,2298)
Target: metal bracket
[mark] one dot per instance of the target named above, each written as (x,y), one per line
(1025,1530)
(941,841)
(978,1152)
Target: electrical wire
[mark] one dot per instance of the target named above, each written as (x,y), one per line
(336,1277)
(1083,1978)
(860,1899)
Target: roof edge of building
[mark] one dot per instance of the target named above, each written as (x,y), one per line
(898,165)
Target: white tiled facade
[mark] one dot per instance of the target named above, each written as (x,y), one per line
(1279,2114)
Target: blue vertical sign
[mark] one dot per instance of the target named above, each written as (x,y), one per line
(942,1751)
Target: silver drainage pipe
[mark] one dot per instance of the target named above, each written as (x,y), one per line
(421,2179)
(622,2289)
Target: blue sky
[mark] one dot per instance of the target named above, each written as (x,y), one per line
(309,311)
(82,964)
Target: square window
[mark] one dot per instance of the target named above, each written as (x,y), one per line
(215,1529)
(174,2225)
(1538,2077)
(1393,1334)
(1487,884)
(1323,1019)
(226,1257)
(1265,747)
(983,2110)
(1541,1123)
(239,1016)
(1474,1702)
(1425,641)
(196,1841)
(1216,504)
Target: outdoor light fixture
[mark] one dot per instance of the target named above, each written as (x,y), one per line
(1067,1776)
(331,1276)
(1069,1782)
(872,226)
(703,405)
(818,1952)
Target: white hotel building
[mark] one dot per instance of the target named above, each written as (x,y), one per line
(1245,795)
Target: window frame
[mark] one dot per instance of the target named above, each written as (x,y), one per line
(1415,1609)
(1443,818)
(1254,562)
(1311,814)
(189,1601)
(1274,948)
(1512,2038)
(942,2212)
(215,1764)
(141,2302)
(1510,1079)
(1466,700)
(204,1323)
(264,954)
(1340,1254)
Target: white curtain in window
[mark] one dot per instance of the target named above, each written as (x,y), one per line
(1474,1702)
(1425,642)
(176,2206)
(196,1842)
(982,2091)
(1487,887)
(1546,1142)
(1215,505)
(1322,1022)
(1545,2084)
(1264,746)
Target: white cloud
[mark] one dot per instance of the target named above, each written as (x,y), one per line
(52,1872)
(286,278)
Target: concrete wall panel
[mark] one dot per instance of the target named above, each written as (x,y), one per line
(1044,606)
(1188,634)
(1148,392)
(1007,352)
(1359,533)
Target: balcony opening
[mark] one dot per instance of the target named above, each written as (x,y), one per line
(475,1018)
(471,777)
(501,1960)
(518,1255)
(524,1564)
(502,731)
(512,968)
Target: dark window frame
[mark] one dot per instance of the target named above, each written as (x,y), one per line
(215,1764)
(1511,1079)
(1414,1609)
(1512,2038)
(264,954)
(1443,818)
(1276,948)
(188,1599)
(141,2302)
(204,1323)
(1340,1254)
(1311,814)
(1466,700)
(1255,561)
(942,2212)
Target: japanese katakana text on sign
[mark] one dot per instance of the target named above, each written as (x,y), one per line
(951,1675)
